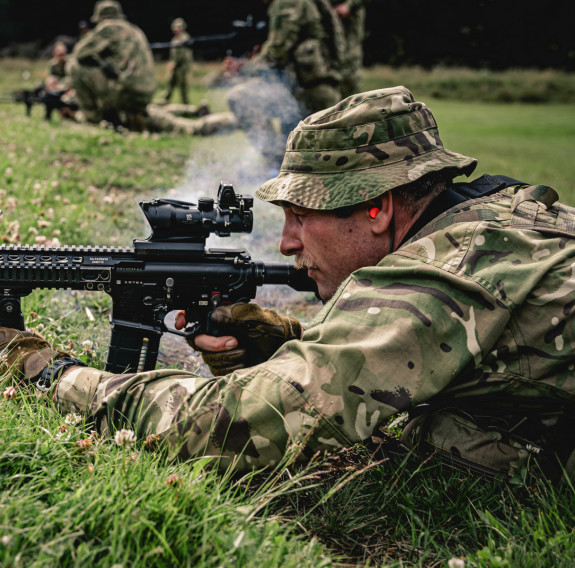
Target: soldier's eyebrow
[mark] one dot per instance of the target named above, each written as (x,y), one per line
(291,206)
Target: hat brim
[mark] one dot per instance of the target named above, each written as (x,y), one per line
(327,191)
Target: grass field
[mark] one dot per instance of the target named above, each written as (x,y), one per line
(70,498)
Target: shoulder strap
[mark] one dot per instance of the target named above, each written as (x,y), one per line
(458,193)
(484,185)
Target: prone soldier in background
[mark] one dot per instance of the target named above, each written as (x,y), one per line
(112,69)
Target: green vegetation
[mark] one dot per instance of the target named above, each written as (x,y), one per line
(460,84)
(71,498)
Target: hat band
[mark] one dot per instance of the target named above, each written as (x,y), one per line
(374,132)
(364,157)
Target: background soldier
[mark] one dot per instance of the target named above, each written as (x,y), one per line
(57,65)
(180,61)
(352,15)
(295,73)
(112,69)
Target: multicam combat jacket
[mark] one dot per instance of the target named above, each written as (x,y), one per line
(354,33)
(124,49)
(476,308)
(299,40)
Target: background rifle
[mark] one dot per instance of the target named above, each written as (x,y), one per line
(170,270)
(244,36)
(51,99)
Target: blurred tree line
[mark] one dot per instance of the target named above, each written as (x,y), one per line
(494,34)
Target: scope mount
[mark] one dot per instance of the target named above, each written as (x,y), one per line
(181,227)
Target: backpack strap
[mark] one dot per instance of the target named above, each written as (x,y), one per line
(484,185)
(458,193)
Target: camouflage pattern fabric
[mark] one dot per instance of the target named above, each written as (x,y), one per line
(474,311)
(177,118)
(57,68)
(298,41)
(181,59)
(293,75)
(360,148)
(112,69)
(354,32)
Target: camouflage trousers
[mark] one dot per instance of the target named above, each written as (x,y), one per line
(512,446)
(178,81)
(188,119)
(100,98)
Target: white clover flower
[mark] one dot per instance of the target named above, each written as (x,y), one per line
(10,393)
(124,438)
(8,172)
(456,563)
(87,343)
(61,435)
(71,419)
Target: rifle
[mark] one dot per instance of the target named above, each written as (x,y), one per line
(51,99)
(170,270)
(244,36)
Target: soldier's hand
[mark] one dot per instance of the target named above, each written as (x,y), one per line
(26,352)
(247,335)
(232,65)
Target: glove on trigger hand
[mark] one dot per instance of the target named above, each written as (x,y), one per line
(260,333)
(27,351)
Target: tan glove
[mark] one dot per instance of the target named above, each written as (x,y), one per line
(260,333)
(27,352)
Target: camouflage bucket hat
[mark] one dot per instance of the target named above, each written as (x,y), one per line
(360,148)
(106,9)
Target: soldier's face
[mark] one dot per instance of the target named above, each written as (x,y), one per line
(331,248)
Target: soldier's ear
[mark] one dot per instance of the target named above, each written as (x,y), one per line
(380,212)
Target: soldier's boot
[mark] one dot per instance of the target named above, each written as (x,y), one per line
(136,122)
(204,109)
